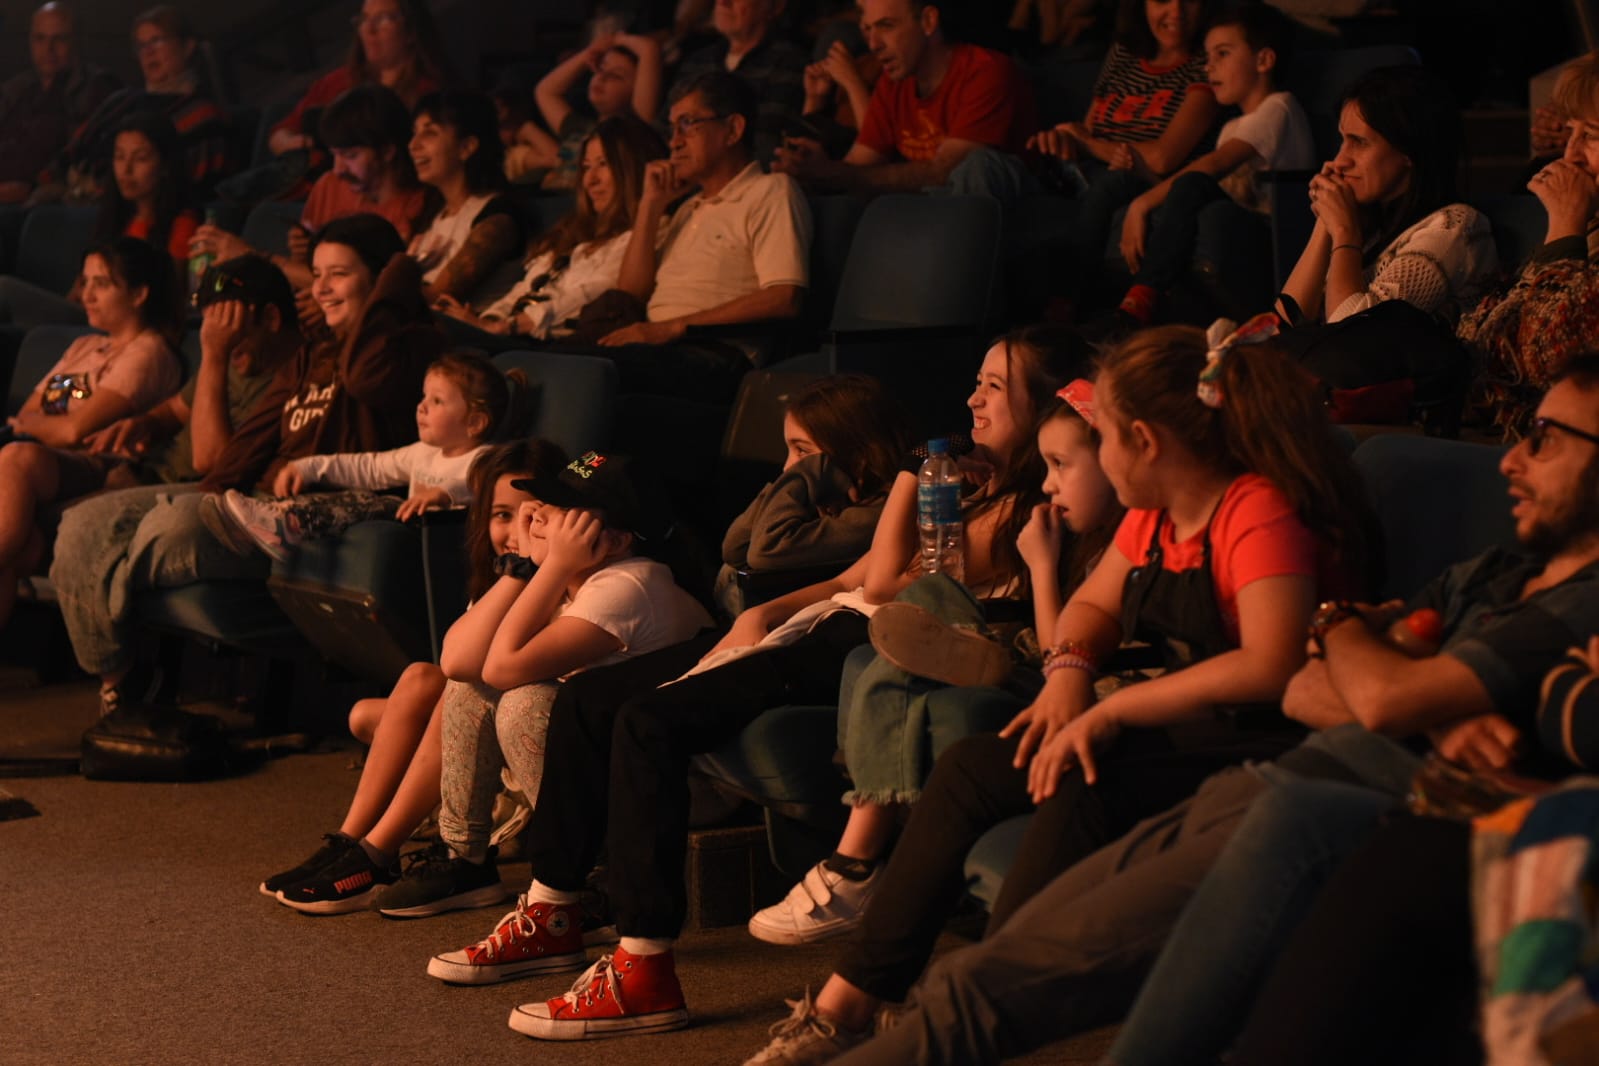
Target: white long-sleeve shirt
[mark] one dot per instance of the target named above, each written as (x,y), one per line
(418,466)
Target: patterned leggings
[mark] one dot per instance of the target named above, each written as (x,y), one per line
(327,514)
(482,730)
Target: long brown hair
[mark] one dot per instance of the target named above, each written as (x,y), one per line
(528,457)
(628,143)
(1042,358)
(858,423)
(1270,422)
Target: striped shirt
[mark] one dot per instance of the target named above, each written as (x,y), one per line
(1134,100)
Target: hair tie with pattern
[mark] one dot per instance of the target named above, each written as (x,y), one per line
(1220,339)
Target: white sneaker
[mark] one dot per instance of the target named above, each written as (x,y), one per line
(822,906)
(804,1038)
(243,523)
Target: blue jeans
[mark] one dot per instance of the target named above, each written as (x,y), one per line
(1202,986)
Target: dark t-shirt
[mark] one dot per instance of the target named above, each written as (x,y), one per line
(1508,642)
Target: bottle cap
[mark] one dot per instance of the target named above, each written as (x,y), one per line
(938,446)
(1427,624)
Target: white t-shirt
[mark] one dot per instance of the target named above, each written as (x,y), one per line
(418,466)
(594,267)
(636,601)
(754,234)
(1279,133)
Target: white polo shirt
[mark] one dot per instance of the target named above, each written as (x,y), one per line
(752,235)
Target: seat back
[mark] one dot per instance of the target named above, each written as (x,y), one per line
(50,249)
(833,222)
(266,228)
(1520,223)
(41,349)
(576,396)
(920,261)
(1439,502)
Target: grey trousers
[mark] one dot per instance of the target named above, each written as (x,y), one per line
(483,729)
(1074,956)
(115,545)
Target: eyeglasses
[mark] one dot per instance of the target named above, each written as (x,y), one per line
(1540,434)
(381,19)
(150,44)
(686,123)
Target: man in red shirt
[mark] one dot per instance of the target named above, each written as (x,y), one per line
(943,113)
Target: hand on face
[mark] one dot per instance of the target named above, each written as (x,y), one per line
(576,541)
(1568,193)
(662,185)
(1333,203)
(840,65)
(223,324)
(1039,540)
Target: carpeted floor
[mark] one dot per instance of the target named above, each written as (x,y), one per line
(131,931)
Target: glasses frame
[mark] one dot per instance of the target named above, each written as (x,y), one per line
(686,124)
(1541,427)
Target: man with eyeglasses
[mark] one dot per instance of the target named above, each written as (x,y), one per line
(42,106)
(736,251)
(1249,851)
(753,47)
(943,113)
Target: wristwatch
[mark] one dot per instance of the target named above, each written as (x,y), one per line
(1328,617)
(511,564)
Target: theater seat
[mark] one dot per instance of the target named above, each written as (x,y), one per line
(381,596)
(50,249)
(41,349)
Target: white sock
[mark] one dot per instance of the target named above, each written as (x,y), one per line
(542,892)
(643,945)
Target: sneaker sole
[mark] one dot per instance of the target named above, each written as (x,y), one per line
(323,907)
(916,641)
(541,1028)
(220,525)
(461,973)
(815,935)
(486,896)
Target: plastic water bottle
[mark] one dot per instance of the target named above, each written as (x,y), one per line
(200,262)
(938,513)
(1418,634)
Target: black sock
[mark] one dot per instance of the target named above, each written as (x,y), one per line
(849,868)
(378,856)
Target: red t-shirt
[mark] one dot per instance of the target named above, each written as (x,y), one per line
(1254,534)
(333,198)
(178,237)
(982,98)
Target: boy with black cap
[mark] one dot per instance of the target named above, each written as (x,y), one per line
(576,590)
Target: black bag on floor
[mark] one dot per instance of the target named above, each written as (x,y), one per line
(153,742)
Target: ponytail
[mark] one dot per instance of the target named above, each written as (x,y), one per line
(1268,421)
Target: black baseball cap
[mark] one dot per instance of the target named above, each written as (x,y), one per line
(251,279)
(614,484)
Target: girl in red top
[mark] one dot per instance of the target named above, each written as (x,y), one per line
(1241,505)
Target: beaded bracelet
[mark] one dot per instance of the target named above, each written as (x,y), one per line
(1068,662)
(1074,648)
